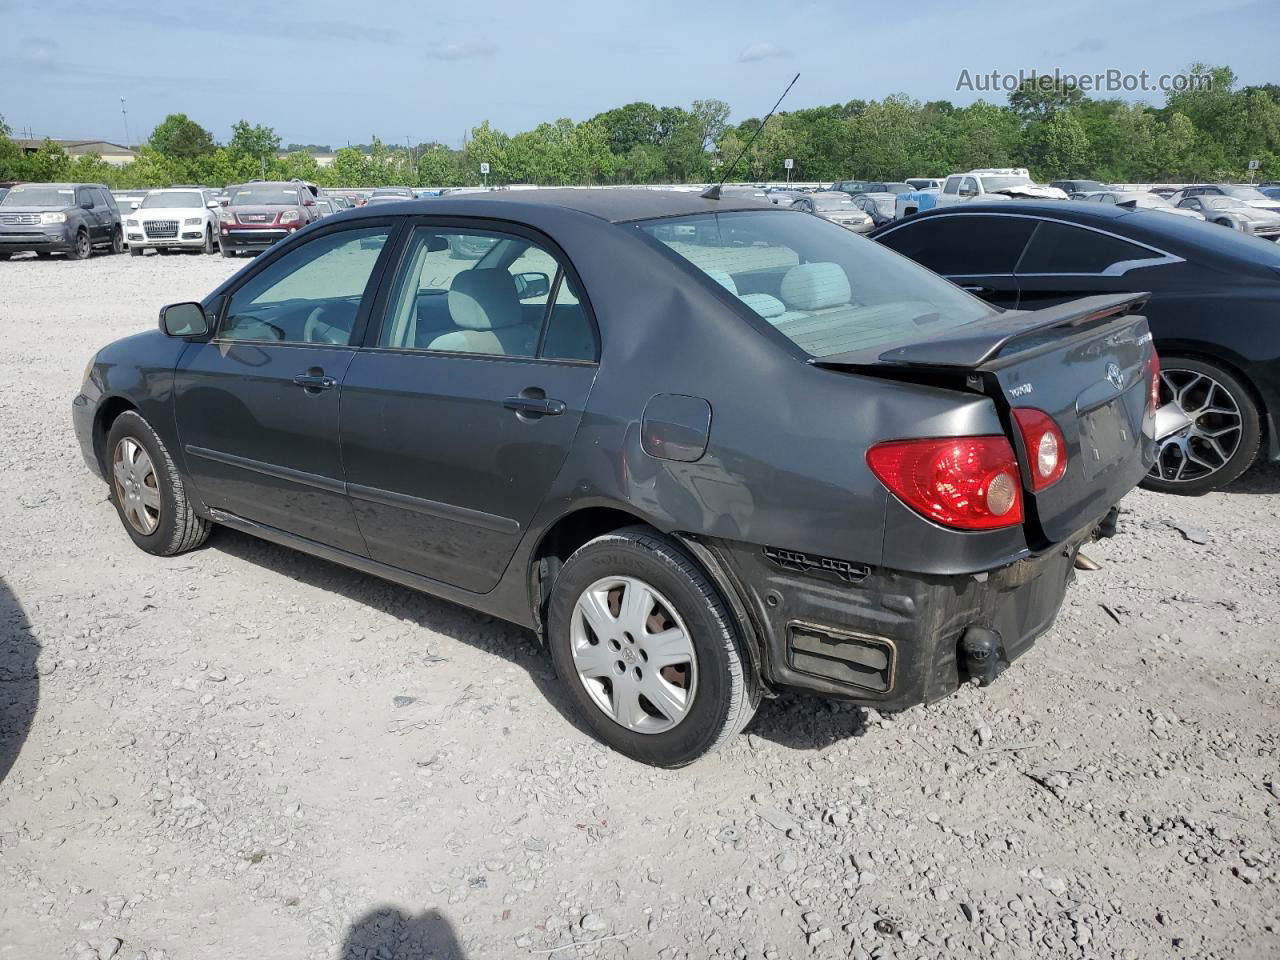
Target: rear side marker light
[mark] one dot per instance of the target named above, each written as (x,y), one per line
(969,483)
(1046,447)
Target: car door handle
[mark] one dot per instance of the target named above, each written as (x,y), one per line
(315,381)
(975,289)
(537,406)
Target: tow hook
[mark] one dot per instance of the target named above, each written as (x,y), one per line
(1106,528)
(981,650)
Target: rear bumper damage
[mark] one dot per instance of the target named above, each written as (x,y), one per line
(887,638)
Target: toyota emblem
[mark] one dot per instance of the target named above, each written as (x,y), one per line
(1115,375)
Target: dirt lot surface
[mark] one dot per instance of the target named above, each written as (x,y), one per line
(247,753)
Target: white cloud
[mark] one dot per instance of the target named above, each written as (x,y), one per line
(460,50)
(761,51)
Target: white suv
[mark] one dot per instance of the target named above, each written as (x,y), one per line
(994,183)
(179,218)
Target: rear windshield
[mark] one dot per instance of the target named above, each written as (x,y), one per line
(38,196)
(264,193)
(827,290)
(833,203)
(994,184)
(171,201)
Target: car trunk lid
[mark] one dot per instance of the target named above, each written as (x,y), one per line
(1085,363)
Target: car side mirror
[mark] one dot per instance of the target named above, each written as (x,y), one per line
(184,320)
(530,285)
(134,204)
(213,204)
(308,203)
(968,192)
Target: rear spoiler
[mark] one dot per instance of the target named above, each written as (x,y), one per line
(977,344)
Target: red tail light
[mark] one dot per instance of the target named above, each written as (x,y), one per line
(966,482)
(1153,398)
(1045,445)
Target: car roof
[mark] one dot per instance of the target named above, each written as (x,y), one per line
(616,205)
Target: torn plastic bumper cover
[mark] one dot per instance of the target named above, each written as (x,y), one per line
(888,638)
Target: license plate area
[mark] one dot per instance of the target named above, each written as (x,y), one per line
(1105,436)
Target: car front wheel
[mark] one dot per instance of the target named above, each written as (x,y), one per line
(148,491)
(1220,433)
(117,242)
(81,248)
(647,650)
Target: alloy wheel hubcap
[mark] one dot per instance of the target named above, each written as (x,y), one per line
(1212,435)
(633,654)
(137,489)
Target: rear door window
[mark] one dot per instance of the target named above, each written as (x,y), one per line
(963,246)
(484,292)
(1061,248)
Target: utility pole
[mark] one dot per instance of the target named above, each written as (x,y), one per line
(124,112)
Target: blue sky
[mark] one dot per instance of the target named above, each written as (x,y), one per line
(318,72)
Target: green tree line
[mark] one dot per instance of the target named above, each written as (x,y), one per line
(1208,132)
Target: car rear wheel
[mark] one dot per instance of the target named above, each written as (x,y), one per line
(148,490)
(1222,434)
(81,248)
(646,649)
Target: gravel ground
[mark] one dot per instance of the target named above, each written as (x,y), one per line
(246,752)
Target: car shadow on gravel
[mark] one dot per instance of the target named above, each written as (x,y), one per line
(19,682)
(458,623)
(1264,479)
(387,934)
(802,722)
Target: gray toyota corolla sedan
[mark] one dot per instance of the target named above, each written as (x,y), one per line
(709,450)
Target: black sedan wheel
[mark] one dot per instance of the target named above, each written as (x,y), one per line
(148,491)
(646,649)
(1221,433)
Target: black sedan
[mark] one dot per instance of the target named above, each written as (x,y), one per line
(706,448)
(1214,310)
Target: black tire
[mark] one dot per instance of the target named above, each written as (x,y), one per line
(135,251)
(208,240)
(82,249)
(179,529)
(117,242)
(726,694)
(5,256)
(1179,370)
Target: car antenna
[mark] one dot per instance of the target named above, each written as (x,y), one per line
(713,192)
